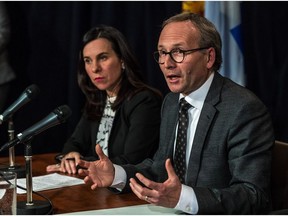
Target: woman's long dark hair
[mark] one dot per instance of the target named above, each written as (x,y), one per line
(131,81)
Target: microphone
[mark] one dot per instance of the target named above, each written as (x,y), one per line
(29,93)
(58,116)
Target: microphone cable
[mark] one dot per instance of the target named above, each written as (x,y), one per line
(50,212)
(40,195)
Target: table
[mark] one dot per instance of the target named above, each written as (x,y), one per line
(74,198)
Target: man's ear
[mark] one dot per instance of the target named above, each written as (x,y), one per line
(211,55)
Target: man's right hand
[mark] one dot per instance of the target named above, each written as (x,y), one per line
(100,172)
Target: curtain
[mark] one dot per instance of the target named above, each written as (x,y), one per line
(43,50)
(45,40)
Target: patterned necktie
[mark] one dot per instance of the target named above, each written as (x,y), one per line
(181,141)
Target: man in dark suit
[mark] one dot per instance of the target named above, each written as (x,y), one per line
(229,138)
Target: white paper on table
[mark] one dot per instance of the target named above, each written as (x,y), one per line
(50,181)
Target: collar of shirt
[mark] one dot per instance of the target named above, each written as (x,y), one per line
(197,98)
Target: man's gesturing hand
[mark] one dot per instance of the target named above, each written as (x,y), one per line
(163,194)
(100,172)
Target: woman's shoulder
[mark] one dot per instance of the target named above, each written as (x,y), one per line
(147,94)
(143,101)
(144,97)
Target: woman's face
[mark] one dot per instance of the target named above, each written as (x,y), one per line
(102,65)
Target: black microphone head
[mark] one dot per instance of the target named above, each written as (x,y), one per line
(32,91)
(62,112)
(26,96)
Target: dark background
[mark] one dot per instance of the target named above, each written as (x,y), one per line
(45,40)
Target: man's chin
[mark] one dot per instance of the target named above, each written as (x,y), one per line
(175,88)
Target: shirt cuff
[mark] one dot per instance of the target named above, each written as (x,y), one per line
(120,178)
(187,202)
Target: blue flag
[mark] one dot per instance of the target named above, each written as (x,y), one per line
(226,16)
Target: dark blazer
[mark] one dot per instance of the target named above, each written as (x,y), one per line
(134,134)
(230,161)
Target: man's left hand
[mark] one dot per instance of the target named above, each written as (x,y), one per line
(164,194)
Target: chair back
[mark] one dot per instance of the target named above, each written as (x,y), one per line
(279,178)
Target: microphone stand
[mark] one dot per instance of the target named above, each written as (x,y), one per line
(30,207)
(12,167)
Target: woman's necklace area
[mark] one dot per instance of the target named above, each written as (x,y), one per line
(111,99)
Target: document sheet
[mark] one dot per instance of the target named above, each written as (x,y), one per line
(50,181)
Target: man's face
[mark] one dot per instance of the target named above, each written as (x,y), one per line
(190,74)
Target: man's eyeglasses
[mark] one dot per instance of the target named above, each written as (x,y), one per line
(177,55)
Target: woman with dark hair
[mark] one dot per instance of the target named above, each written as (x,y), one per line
(121,113)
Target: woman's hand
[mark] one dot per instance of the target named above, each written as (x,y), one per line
(69,162)
(67,165)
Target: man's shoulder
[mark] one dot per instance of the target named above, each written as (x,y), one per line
(171,97)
